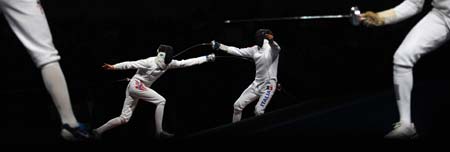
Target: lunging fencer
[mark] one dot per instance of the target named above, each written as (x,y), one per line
(28,21)
(139,87)
(265,55)
(431,32)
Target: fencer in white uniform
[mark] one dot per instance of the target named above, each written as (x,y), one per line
(431,32)
(139,87)
(28,21)
(265,55)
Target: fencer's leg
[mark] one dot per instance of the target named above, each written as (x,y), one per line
(427,35)
(266,97)
(113,123)
(237,115)
(246,98)
(159,116)
(152,96)
(55,83)
(28,21)
(403,84)
(127,111)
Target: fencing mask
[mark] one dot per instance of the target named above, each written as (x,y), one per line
(260,35)
(165,53)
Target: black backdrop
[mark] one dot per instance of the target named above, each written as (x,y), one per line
(319,59)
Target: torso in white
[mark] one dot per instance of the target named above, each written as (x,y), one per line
(265,58)
(148,71)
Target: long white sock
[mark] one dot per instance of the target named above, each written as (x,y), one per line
(55,83)
(237,116)
(115,122)
(403,81)
(159,115)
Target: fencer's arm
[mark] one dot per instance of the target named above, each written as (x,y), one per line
(402,11)
(274,45)
(131,64)
(275,49)
(107,66)
(188,62)
(244,52)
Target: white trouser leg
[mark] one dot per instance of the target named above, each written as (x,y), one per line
(427,35)
(246,98)
(149,95)
(113,123)
(159,115)
(403,83)
(268,91)
(127,111)
(28,21)
(55,83)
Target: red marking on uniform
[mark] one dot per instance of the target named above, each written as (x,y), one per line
(140,86)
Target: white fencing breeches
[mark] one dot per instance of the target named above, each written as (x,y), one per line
(263,92)
(136,91)
(28,21)
(431,32)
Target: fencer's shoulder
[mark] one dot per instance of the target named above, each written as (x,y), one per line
(254,47)
(152,58)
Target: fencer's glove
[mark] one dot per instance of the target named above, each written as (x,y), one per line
(269,37)
(211,57)
(215,45)
(108,66)
(370,18)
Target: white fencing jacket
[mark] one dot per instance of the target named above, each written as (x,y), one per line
(148,71)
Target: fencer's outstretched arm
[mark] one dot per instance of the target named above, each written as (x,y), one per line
(397,14)
(244,52)
(192,61)
(273,45)
(143,63)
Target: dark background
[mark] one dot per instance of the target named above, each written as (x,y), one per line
(319,59)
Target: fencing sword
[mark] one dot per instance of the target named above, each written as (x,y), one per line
(191,47)
(354,16)
(208,44)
